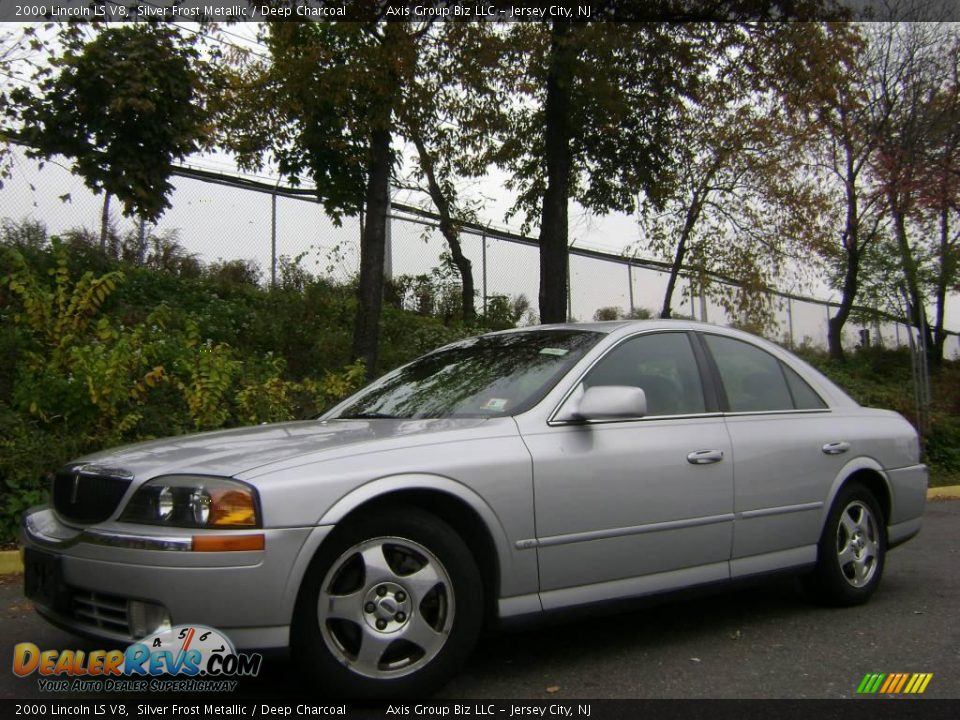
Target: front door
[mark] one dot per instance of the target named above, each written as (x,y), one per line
(639,505)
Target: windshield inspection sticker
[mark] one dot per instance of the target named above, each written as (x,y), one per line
(560,352)
(495,404)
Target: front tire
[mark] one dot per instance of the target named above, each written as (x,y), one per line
(391,606)
(852,549)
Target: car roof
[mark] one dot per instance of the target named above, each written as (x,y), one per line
(610,326)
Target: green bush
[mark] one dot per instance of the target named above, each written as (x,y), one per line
(102,348)
(29,454)
(943,446)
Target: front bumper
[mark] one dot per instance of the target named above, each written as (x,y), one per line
(102,570)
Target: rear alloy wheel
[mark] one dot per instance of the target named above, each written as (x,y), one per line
(391,606)
(858,544)
(852,549)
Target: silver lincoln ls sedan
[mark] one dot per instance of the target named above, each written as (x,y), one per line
(502,476)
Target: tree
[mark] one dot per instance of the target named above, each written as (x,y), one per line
(325,105)
(336,101)
(597,108)
(842,150)
(445,116)
(888,150)
(123,106)
(939,191)
(737,205)
(571,127)
(21,54)
(907,71)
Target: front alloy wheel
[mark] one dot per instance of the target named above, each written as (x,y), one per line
(386,607)
(391,606)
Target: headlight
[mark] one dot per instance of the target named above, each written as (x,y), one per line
(194,501)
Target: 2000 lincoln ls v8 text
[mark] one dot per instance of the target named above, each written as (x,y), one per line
(502,476)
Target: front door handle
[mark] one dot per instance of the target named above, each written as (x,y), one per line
(705,457)
(835,448)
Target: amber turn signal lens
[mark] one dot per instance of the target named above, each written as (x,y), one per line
(232,508)
(227,543)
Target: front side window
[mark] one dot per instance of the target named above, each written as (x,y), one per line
(488,376)
(756,381)
(662,365)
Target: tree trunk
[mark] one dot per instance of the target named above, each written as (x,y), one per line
(104,223)
(553,216)
(693,213)
(448,229)
(946,272)
(366,333)
(849,294)
(851,246)
(917,313)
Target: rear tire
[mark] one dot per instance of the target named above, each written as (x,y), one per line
(391,606)
(852,549)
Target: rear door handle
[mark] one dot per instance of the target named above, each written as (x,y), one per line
(835,448)
(705,457)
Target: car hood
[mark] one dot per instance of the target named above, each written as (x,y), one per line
(230,452)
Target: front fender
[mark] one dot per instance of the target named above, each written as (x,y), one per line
(384,486)
(436,483)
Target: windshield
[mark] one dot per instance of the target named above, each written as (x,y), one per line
(488,376)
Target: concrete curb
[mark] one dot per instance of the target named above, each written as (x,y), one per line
(10,561)
(949,492)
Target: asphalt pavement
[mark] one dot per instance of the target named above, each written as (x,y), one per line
(762,641)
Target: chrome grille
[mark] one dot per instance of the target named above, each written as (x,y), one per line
(85,497)
(107,612)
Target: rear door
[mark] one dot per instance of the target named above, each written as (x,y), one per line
(788,447)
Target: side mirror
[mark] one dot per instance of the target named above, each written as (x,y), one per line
(606,402)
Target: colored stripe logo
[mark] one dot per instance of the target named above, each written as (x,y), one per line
(894,683)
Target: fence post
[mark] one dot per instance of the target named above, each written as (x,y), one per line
(388,246)
(790,320)
(703,302)
(105,223)
(484,258)
(273,235)
(630,284)
(142,242)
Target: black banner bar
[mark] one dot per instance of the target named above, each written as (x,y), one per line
(190,706)
(471,11)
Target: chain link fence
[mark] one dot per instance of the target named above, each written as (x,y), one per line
(265,227)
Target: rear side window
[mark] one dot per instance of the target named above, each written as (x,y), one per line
(662,365)
(752,378)
(804,396)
